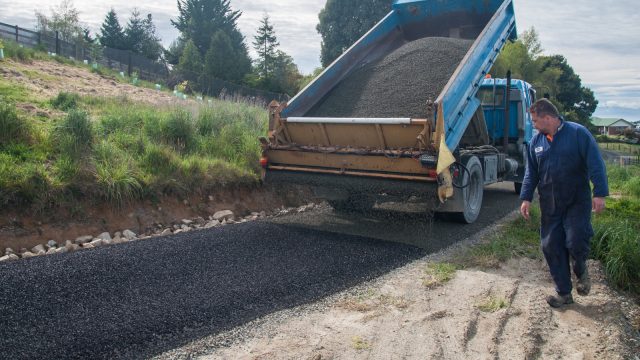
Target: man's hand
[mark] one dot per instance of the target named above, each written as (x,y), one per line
(524,209)
(597,205)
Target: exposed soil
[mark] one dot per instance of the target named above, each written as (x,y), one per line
(398,317)
(47,78)
(25,229)
(399,84)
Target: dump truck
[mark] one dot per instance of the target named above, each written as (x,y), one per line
(409,111)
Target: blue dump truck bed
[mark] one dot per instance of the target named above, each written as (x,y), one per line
(470,35)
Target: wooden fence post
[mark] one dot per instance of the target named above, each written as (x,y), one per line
(129,67)
(57,43)
(17,41)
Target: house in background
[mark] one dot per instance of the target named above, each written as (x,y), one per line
(611,126)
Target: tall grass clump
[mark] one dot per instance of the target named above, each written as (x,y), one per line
(177,129)
(616,241)
(74,135)
(17,52)
(12,127)
(116,180)
(65,101)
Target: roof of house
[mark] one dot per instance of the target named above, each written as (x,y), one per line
(596,121)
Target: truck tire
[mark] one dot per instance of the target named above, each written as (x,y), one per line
(473,193)
(517,186)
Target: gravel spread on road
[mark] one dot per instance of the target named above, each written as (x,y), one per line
(399,84)
(139,299)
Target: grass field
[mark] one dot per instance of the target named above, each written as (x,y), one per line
(627,149)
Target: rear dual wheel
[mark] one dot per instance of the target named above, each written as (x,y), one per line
(472,194)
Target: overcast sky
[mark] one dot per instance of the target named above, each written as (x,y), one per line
(600,38)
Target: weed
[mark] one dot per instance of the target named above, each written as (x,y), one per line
(65,101)
(358,343)
(438,274)
(493,304)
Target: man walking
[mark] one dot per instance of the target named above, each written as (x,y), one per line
(561,160)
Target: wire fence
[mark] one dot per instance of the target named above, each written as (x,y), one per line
(128,62)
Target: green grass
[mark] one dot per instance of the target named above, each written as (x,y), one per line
(492,304)
(439,273)
(115,151)
(629,149)
(518,238)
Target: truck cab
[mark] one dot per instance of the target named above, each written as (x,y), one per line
(492,95)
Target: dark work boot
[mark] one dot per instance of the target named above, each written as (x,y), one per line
(557,301)
(583,285)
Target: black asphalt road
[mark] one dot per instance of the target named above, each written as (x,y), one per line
(139,299)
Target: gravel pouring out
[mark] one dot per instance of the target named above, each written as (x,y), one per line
(399,84)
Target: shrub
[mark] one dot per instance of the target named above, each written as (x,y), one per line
(74,135)
(65,101)
(15,51)
(159,160)
(12,127)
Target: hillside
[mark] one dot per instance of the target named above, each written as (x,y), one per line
(87,152)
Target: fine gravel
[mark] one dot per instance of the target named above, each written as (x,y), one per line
(140,299)
(399,84)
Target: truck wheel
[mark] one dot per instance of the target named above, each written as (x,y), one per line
(472,194)
(517,186)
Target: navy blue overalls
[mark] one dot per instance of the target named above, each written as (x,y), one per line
(561,169)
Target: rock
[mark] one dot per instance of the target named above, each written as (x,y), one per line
(166,232)
(117,240)
(61,250)
(185,228)
(28,254)
(212,224)
(22,251)
(9,251)
(117,234)
(5,258)
(84,239)
(104,236)
(97,243)
(51,250)
(187,221)
(38,249)
(71,247)
(13,257)
(210,198)
(231,221)
(129,235)
(178,231)
(223,215)
(88,246)
(263,214)
(52,244)
(255,214)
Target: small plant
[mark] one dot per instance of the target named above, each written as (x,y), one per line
(65,101)
(493,304)
(438,274)
(178,130)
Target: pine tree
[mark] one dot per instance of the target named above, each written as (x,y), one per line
(111,33)
(218,62)
(190,65)
(134,35)
(199,20)
(266,44)
(151,47)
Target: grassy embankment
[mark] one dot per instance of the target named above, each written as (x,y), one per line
(627,149)
(115,151)
(616,242)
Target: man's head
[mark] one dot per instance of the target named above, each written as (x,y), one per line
(545,116)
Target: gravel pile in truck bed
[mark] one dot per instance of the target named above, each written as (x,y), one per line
(397,85)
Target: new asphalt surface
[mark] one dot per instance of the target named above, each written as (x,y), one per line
(139,299)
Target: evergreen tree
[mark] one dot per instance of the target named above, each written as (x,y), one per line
(190,65)
(218,62)
(286,76)
(111,33)
(151,47)
(199,20)
(342,23)
(134,35)
(265,43)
